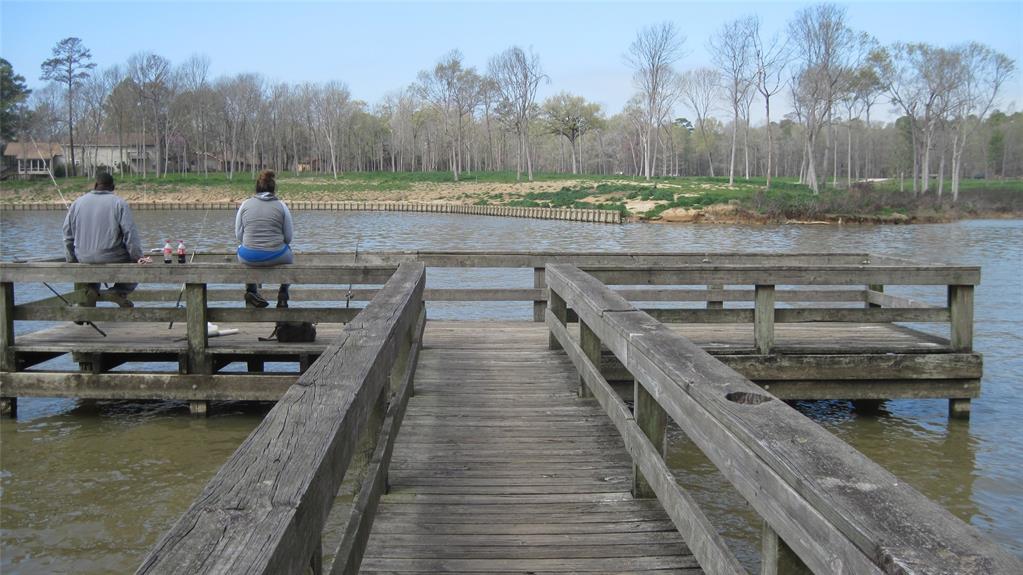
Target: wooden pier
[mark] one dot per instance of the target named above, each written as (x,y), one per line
(506,446)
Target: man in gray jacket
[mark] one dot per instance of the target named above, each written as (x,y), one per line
(99,229)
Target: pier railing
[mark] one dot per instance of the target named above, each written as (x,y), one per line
(706,276)
(825,506)
(196,299)
(763,293)
(264,511)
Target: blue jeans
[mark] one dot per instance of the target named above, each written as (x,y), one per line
(262,259)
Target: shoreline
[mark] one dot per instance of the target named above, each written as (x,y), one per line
(719,214)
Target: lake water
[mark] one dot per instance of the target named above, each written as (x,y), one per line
(88,487)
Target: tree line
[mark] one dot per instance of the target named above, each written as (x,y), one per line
(457,118)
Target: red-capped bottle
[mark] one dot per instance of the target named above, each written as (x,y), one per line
(181,251)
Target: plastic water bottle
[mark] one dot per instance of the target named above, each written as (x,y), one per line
(181,251)
(168,251)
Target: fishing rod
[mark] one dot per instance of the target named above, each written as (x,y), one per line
(195,248)
(348,296)
(49,172)
(63,299)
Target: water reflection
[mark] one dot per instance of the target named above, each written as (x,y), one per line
(89,486)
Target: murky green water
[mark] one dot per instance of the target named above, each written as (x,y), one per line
(87,487)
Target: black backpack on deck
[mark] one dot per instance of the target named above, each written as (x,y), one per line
(293,332)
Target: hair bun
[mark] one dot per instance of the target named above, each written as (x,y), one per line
(266,182)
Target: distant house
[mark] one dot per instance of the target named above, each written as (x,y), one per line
(25,159)
(127,153)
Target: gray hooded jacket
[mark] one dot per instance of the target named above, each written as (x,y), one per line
(263,223)
(99,229)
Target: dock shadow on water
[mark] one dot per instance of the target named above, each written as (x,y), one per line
(89,486)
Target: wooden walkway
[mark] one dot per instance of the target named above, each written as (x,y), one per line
(501,468)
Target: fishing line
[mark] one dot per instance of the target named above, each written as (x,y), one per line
(195,248)
(50,173)
(348,296)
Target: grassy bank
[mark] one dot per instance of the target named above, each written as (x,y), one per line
(661,199)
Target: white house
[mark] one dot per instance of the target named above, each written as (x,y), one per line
(33,159)
(127,153)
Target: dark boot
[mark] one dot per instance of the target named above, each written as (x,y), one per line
(252,297)
(121,299)
(283,296)
(89,300)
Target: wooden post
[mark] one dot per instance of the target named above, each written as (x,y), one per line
(539,283)
(401,360)
(960,308)
(652,419)
(560,310)
(8,361)
(873,287)
(590,344)
(198,340)
(776,558)
(763,319)
(711,302)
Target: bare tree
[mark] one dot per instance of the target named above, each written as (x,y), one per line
(921,80)
(983,72)
(732,52)
(121,109)
(69,65)
(194,73)
(150,74)
(770,58)
(827,47)
(652,56)
(92,94)
(517,76)
(700,89)
(454,91)
(331,108)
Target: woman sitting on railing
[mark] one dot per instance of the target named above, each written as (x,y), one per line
(263,226)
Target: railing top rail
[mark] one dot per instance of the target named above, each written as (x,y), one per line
(636,268)
(838,510)
(538,258)
(264,510)
(196,272)
(787,275)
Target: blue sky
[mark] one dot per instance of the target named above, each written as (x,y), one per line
(379,47)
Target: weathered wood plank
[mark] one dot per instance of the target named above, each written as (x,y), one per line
(763,319)
(489,447)
(395,525)
(610,565)
(820,495)
(744,295)
(263,387)
(7,358)
(195,273)
(683,510)
(351,548)
(786,275)
(264,510)
(960,304)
